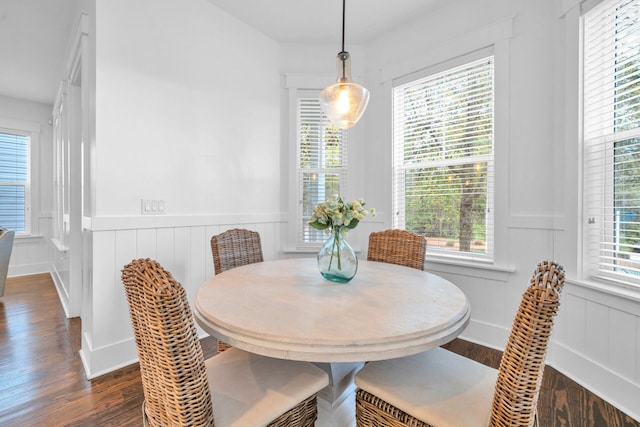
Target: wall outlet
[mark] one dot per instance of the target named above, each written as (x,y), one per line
(152,207)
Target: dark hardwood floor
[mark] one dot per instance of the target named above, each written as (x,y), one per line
(42,381)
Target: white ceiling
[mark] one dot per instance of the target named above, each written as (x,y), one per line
(33,39)
(319,21)
(34,33)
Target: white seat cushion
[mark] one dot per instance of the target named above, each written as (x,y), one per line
(438,387)
(252,390)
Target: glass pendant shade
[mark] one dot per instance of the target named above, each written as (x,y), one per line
(344,102)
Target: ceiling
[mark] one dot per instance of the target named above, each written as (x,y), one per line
(33,40)
(34,33)
(320,21)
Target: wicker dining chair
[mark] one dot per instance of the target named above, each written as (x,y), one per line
(232,249)
(235,248)
(181,388)
(400,247)
(440,388)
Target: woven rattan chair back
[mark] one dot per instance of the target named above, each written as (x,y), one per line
(235,248)
(232,249)
(522,364)
(172,368)
(397,247)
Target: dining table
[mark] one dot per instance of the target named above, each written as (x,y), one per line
(286,309)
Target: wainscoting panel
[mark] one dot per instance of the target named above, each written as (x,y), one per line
(596,342)
(125,251)
(29,256)
(183,248)
(103,310)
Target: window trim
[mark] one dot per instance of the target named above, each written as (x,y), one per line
(296,84)
(496,36)
(590,274)
(342,171)
(32,130)
(443,67)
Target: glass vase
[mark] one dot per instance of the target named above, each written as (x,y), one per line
(336,260)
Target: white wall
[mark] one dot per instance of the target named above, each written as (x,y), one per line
(30,254)
(597,338)
(187,110)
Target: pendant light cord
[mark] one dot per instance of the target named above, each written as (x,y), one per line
(344,2)
(344,65)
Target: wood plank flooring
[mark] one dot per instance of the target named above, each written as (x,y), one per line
(42,381)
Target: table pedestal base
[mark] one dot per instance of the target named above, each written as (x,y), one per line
(336,402)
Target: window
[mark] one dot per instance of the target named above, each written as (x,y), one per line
(443,159)
(611,140)
(14,181)
(321,163)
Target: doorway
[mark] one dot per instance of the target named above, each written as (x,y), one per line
(70,135)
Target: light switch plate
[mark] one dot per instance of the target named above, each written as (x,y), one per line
(152,207)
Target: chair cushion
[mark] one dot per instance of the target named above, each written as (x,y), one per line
(252,390)
(438,387)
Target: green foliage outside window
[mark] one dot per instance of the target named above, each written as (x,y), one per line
(447,149)
(320,164)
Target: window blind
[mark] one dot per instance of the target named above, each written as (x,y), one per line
(443,159)
(611,131)
(14,182)
(322,165)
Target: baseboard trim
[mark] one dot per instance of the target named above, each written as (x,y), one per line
(63,297)
(28,269)
(103,360)
(486,334)
(604,383)
(618,391)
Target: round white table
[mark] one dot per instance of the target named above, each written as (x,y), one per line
(286,309)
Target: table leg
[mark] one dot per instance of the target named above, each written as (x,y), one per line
(336,402)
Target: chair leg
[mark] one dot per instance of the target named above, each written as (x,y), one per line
(145,420)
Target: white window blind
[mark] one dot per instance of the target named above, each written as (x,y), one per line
(443,159)
(611,120)
(321,165)
(14,182)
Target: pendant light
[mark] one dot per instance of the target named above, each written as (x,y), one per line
(344,101)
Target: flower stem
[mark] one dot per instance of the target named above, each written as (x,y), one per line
(336,245)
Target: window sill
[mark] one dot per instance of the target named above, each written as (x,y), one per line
(301,250)
(594,289)
(483,269)
(59,245)
(27,238)
(310,250)
(435,264)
